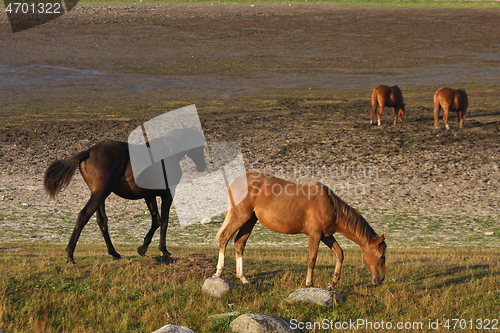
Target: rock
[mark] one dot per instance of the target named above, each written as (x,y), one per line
(217,287)
(174,329)
(257,323)
(206,221)
(315,295)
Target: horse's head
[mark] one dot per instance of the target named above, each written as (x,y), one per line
(374,259)
(402,111)
(197,154)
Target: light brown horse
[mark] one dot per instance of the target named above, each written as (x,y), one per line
(450,99)
(106,168)
(387,96)
(291,208)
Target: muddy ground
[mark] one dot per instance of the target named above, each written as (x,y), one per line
(290,84)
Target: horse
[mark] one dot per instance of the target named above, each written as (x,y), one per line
(387,96)
(450,99)
(292,208)
(106,168)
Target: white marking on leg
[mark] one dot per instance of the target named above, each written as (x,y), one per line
(447,127)
(378,122)
(220,265)
(239,270)
(239,267)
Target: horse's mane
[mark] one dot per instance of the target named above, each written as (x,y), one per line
(177,137)
(350,218)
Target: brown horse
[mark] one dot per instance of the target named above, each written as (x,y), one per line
(387,96)
(292,208)
(106,168)
(450,99)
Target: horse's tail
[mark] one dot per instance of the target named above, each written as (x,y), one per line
(437,104)
(58,175)
(223,227)
(374,105)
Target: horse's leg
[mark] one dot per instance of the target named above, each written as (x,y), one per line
(96,199)
(396,114)
(102,221)
(155,224)
(233,222)
(239,246)
(445,116)
(166,203)
(463,113)
(380,110)
(374,110)
(437,107)
(332,243)
(461,117)
(311,260)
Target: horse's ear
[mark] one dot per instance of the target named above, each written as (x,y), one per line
(381,239)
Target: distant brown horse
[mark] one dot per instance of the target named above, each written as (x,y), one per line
(106,168)
(450,99)
(292,208)
(387,96)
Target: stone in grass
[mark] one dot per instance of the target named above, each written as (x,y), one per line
(315,295)
(257,323)
(174,329)
(217,287)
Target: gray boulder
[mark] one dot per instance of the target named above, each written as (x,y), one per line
(217,287)
(174,329)
(315,295)
(257,323)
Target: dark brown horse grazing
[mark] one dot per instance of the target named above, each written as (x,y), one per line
(106,168)
(291,208)
(387,96)
(450,99)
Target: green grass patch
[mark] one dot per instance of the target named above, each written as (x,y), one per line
(39,292)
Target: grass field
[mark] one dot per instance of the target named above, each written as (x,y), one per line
(40,293)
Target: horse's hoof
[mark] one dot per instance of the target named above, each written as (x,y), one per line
(117,257)
(168,260)
(142,250)
(71,261)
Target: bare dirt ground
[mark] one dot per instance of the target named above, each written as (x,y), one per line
(290,84)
